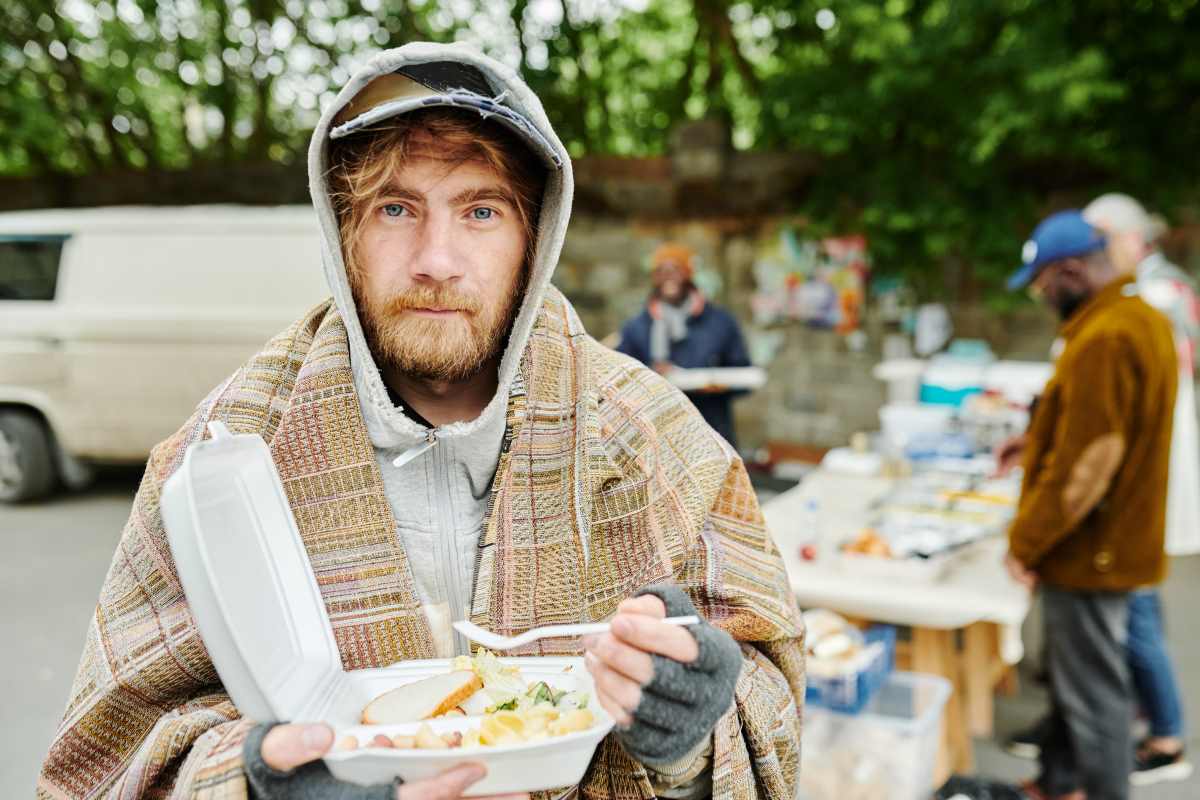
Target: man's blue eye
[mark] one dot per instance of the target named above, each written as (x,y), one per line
(393,209)
(482,214)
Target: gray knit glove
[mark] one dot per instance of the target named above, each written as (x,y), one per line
(682,702)
(310,781)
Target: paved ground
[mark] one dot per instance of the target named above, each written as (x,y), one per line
(1181,595)
(55,557)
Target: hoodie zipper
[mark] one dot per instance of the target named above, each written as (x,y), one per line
(451,562)
(416,450)
(448,558)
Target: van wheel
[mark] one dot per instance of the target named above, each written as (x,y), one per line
(26,459)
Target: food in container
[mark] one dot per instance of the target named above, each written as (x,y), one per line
(513,711)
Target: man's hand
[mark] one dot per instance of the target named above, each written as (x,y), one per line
(620,659)
(287,748)
(663,367)
(1020,573)
(714,388)
(1009,454)
(665,686)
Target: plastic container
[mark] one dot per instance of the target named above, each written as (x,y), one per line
(950,382)
(846,461)
(903,378)
(810,541)
(903,423)
(885,752)
(256,603)
(929,446)
(849,693)
(1018,381)
(974,351)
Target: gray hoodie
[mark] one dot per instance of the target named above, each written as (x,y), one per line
(438,481)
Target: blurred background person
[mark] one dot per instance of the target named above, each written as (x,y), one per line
(1132,244)
(680,327)
(1132,235)
(1090,520)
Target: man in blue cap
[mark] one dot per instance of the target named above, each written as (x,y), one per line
(1090,523)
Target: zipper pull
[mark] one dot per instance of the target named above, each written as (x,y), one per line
(416,450)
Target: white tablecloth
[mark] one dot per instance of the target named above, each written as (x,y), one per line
(974,588)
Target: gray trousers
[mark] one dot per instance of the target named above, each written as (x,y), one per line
(1088,743)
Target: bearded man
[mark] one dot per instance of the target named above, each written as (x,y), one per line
(455,446)
(1090,520)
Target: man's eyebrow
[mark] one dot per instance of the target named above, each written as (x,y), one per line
(391,188)
(479,194)
(401,192)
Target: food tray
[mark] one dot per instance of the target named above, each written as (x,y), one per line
(695,379)
(907,570)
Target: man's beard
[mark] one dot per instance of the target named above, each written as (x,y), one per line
(454,349)
(1067,303)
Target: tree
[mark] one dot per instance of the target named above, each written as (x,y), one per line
(944,129)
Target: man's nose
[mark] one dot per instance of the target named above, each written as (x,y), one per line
(438,256)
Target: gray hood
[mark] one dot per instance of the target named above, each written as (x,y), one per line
(388,427)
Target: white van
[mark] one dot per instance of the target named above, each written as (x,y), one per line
(116,322)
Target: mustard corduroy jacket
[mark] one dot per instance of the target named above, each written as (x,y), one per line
(1093,502)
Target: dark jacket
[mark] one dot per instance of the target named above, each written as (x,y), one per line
(713,340)
(1093,502)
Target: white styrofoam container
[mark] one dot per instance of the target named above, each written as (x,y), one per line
(256,602)
(532,766)
(885,752)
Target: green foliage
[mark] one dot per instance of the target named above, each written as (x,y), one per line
(944,128)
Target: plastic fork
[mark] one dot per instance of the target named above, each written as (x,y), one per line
(494,641)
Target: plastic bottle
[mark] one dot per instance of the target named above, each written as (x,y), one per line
(810,531)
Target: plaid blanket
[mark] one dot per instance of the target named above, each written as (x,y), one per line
(608,480)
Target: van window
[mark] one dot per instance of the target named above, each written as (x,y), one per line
(29,266)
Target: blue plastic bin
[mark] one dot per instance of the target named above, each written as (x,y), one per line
(849,693)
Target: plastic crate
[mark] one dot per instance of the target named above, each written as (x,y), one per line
(943,396)
(850,692)
(886,752)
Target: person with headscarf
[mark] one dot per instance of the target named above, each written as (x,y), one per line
(680,327)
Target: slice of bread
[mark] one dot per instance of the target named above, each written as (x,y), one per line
(423,699)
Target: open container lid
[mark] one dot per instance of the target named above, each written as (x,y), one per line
(247,577)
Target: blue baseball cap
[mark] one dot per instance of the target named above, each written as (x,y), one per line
(1063,235)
